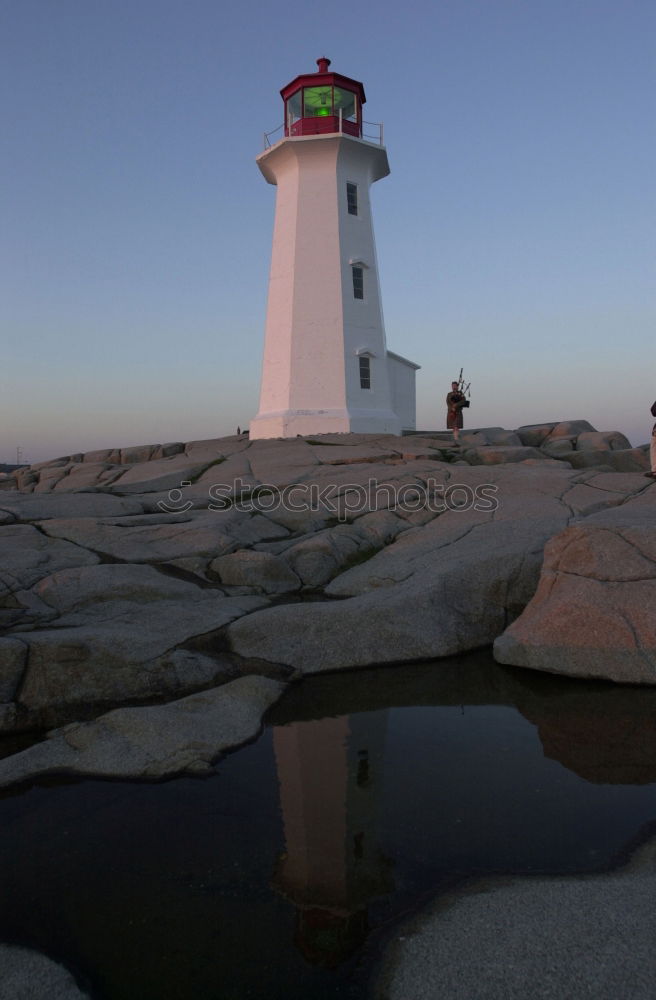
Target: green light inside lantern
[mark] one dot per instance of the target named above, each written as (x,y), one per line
(318,101)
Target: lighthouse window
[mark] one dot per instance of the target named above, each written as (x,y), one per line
(358,282)
(365,372)
(345,100)
(352,198)
(294,107)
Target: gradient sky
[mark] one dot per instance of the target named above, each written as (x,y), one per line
(515,234)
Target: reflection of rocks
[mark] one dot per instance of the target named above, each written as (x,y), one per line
(606,749)
(457,680)
(329,773)
(28,975)
(605,734)
(602,732)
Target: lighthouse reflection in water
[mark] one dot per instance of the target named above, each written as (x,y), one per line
(330,775)
(370,796)
(395,787)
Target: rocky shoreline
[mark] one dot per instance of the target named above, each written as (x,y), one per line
(190,583)
(576,935)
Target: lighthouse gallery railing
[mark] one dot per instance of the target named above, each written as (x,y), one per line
(371,131)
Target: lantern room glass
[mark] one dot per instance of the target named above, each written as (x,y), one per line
(317,102)
(294,108)
(346,102)
(320,108)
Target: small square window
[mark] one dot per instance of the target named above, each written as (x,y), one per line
(358,282)
(365,372)
(352,198)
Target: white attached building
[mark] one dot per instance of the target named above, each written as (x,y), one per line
(326,365)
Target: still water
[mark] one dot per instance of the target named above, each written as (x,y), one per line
(367,795)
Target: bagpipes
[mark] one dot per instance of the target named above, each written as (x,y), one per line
(464,389)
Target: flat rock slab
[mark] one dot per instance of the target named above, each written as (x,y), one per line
(444,587)
(278,463)
(28,507)
(348,455)
(152,742)
(198,533)
(489,436)
(500,454)
(261,570)
(423,601)
(209,449)
(116,636)
(27,555)
(164,474)
(584,938)
(356,440)
(320,556)
(85,474)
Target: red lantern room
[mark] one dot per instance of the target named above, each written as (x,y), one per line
(323,102)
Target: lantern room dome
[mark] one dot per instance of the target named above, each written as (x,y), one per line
(321,102)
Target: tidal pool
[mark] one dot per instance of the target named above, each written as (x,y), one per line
(367,795)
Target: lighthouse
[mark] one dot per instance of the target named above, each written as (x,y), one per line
(326,367)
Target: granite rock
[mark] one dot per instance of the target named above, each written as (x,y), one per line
(498,454)
(116,636)
(27,507)
(581,936)
(26,974)
(602,441)
(154,741)
(157,538)
(592,614)
(108,598)
(261,570)
(625,460)
(27,555)
(534,435)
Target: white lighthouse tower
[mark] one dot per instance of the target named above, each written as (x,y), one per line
(326,366)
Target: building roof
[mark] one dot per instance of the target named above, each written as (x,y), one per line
(404,361)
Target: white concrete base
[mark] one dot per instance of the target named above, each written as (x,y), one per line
(291,423)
